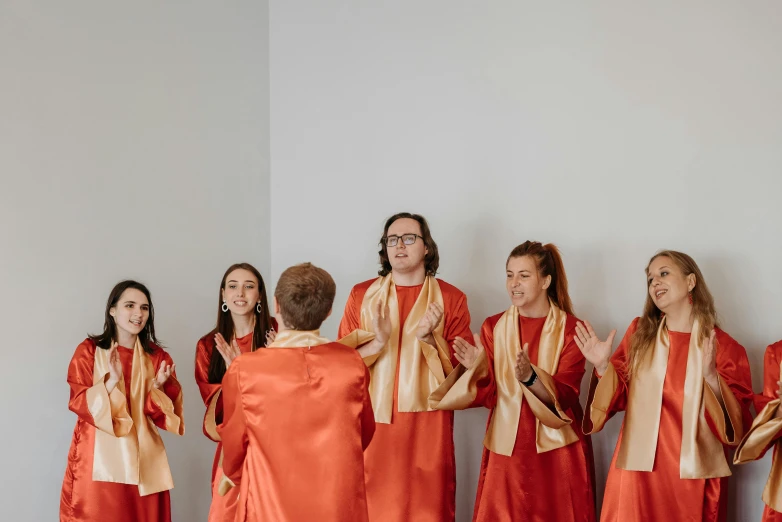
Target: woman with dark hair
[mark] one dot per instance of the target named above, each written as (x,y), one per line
(686,390)
(123,389)
(537,464)
(243,325)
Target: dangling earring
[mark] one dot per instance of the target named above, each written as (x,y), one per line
(258,307)
(689,296)
(224,308)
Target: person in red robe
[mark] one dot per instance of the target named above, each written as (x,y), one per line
(297,415)
(410,467)
(243,325)
(123,389)
(766,431)
(686,390)
(537,463)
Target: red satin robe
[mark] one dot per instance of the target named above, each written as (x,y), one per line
(529,486)
(771,360)
(85,500)
(661,495)
(222,507)
(295,424)
(411,465)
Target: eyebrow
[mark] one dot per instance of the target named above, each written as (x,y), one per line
(134,302)
(247,281)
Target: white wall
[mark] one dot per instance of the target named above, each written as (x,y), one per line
(612,131)
(133,143)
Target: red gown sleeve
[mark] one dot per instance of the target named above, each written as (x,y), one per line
(367,414)
(457,324)
(93,403)
(350,318)
(164,405)
(233,429)
(210,393)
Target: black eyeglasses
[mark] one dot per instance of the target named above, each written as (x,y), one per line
(407,239)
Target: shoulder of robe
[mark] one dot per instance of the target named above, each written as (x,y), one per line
(775,349)
(207,342)
(450,292)
(492,321)
(87,345)
(726,342)
(570,323)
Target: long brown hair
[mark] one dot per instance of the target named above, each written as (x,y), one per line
(432,257)
(703,310)
(549,263)
(147,335)
(225,323)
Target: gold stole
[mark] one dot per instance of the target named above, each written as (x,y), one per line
(702,454)
(764,429)
(552,430)
(422,367)
(138,457)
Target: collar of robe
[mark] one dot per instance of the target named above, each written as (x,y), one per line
(298,339)
(139,456)
(552,431)
(422,367)
(702,454)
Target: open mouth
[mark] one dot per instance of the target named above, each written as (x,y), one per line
(240,303)
(660,293)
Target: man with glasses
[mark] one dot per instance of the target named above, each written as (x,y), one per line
(410,465)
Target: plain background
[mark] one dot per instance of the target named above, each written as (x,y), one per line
(165,142)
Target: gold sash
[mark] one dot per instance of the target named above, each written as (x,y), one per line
(553,430)
(138,457)
(702,454)
(422,367)
(764,429)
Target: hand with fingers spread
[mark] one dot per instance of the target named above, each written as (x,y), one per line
(381,325)
(595,351)
(228,351)
(710,360)
(115,368)
(271,335)
(467,353)
(427,324)
(523,365)
(164,372)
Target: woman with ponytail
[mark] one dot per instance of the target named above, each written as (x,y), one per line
(686,390)
(526,368)
(243,325)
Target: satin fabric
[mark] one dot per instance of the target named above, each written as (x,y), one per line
(410,466)
(661,494)
(222,507)
(765,433)
(83,499)
(295,424)
(529,486)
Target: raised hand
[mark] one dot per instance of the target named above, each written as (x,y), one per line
(115,368)
(594,350)
(467,353)
(164,372)
(523,364)
(381,324)
(710,359)
(430,320)
(228,351)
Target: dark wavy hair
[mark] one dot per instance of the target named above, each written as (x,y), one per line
(225,323)
(147,335)
(432,258)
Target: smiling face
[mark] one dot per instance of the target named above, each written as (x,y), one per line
(406,258)
(131,312)
(526,288)
(669,287)
(241,292)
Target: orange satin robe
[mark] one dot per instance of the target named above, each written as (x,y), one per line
(661,495)
(222,507)
(295,424)
(411,465)
(529,486)
(771,360)
(85,500)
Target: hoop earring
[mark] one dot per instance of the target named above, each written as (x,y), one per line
(224,308)
(258,307)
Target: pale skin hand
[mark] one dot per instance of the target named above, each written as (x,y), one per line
(524,371)
(467,353)
(710,374)
(427,324)
(594,350)
(115,368)
(381,325)
(164,372)
(271,335)
(228,351)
